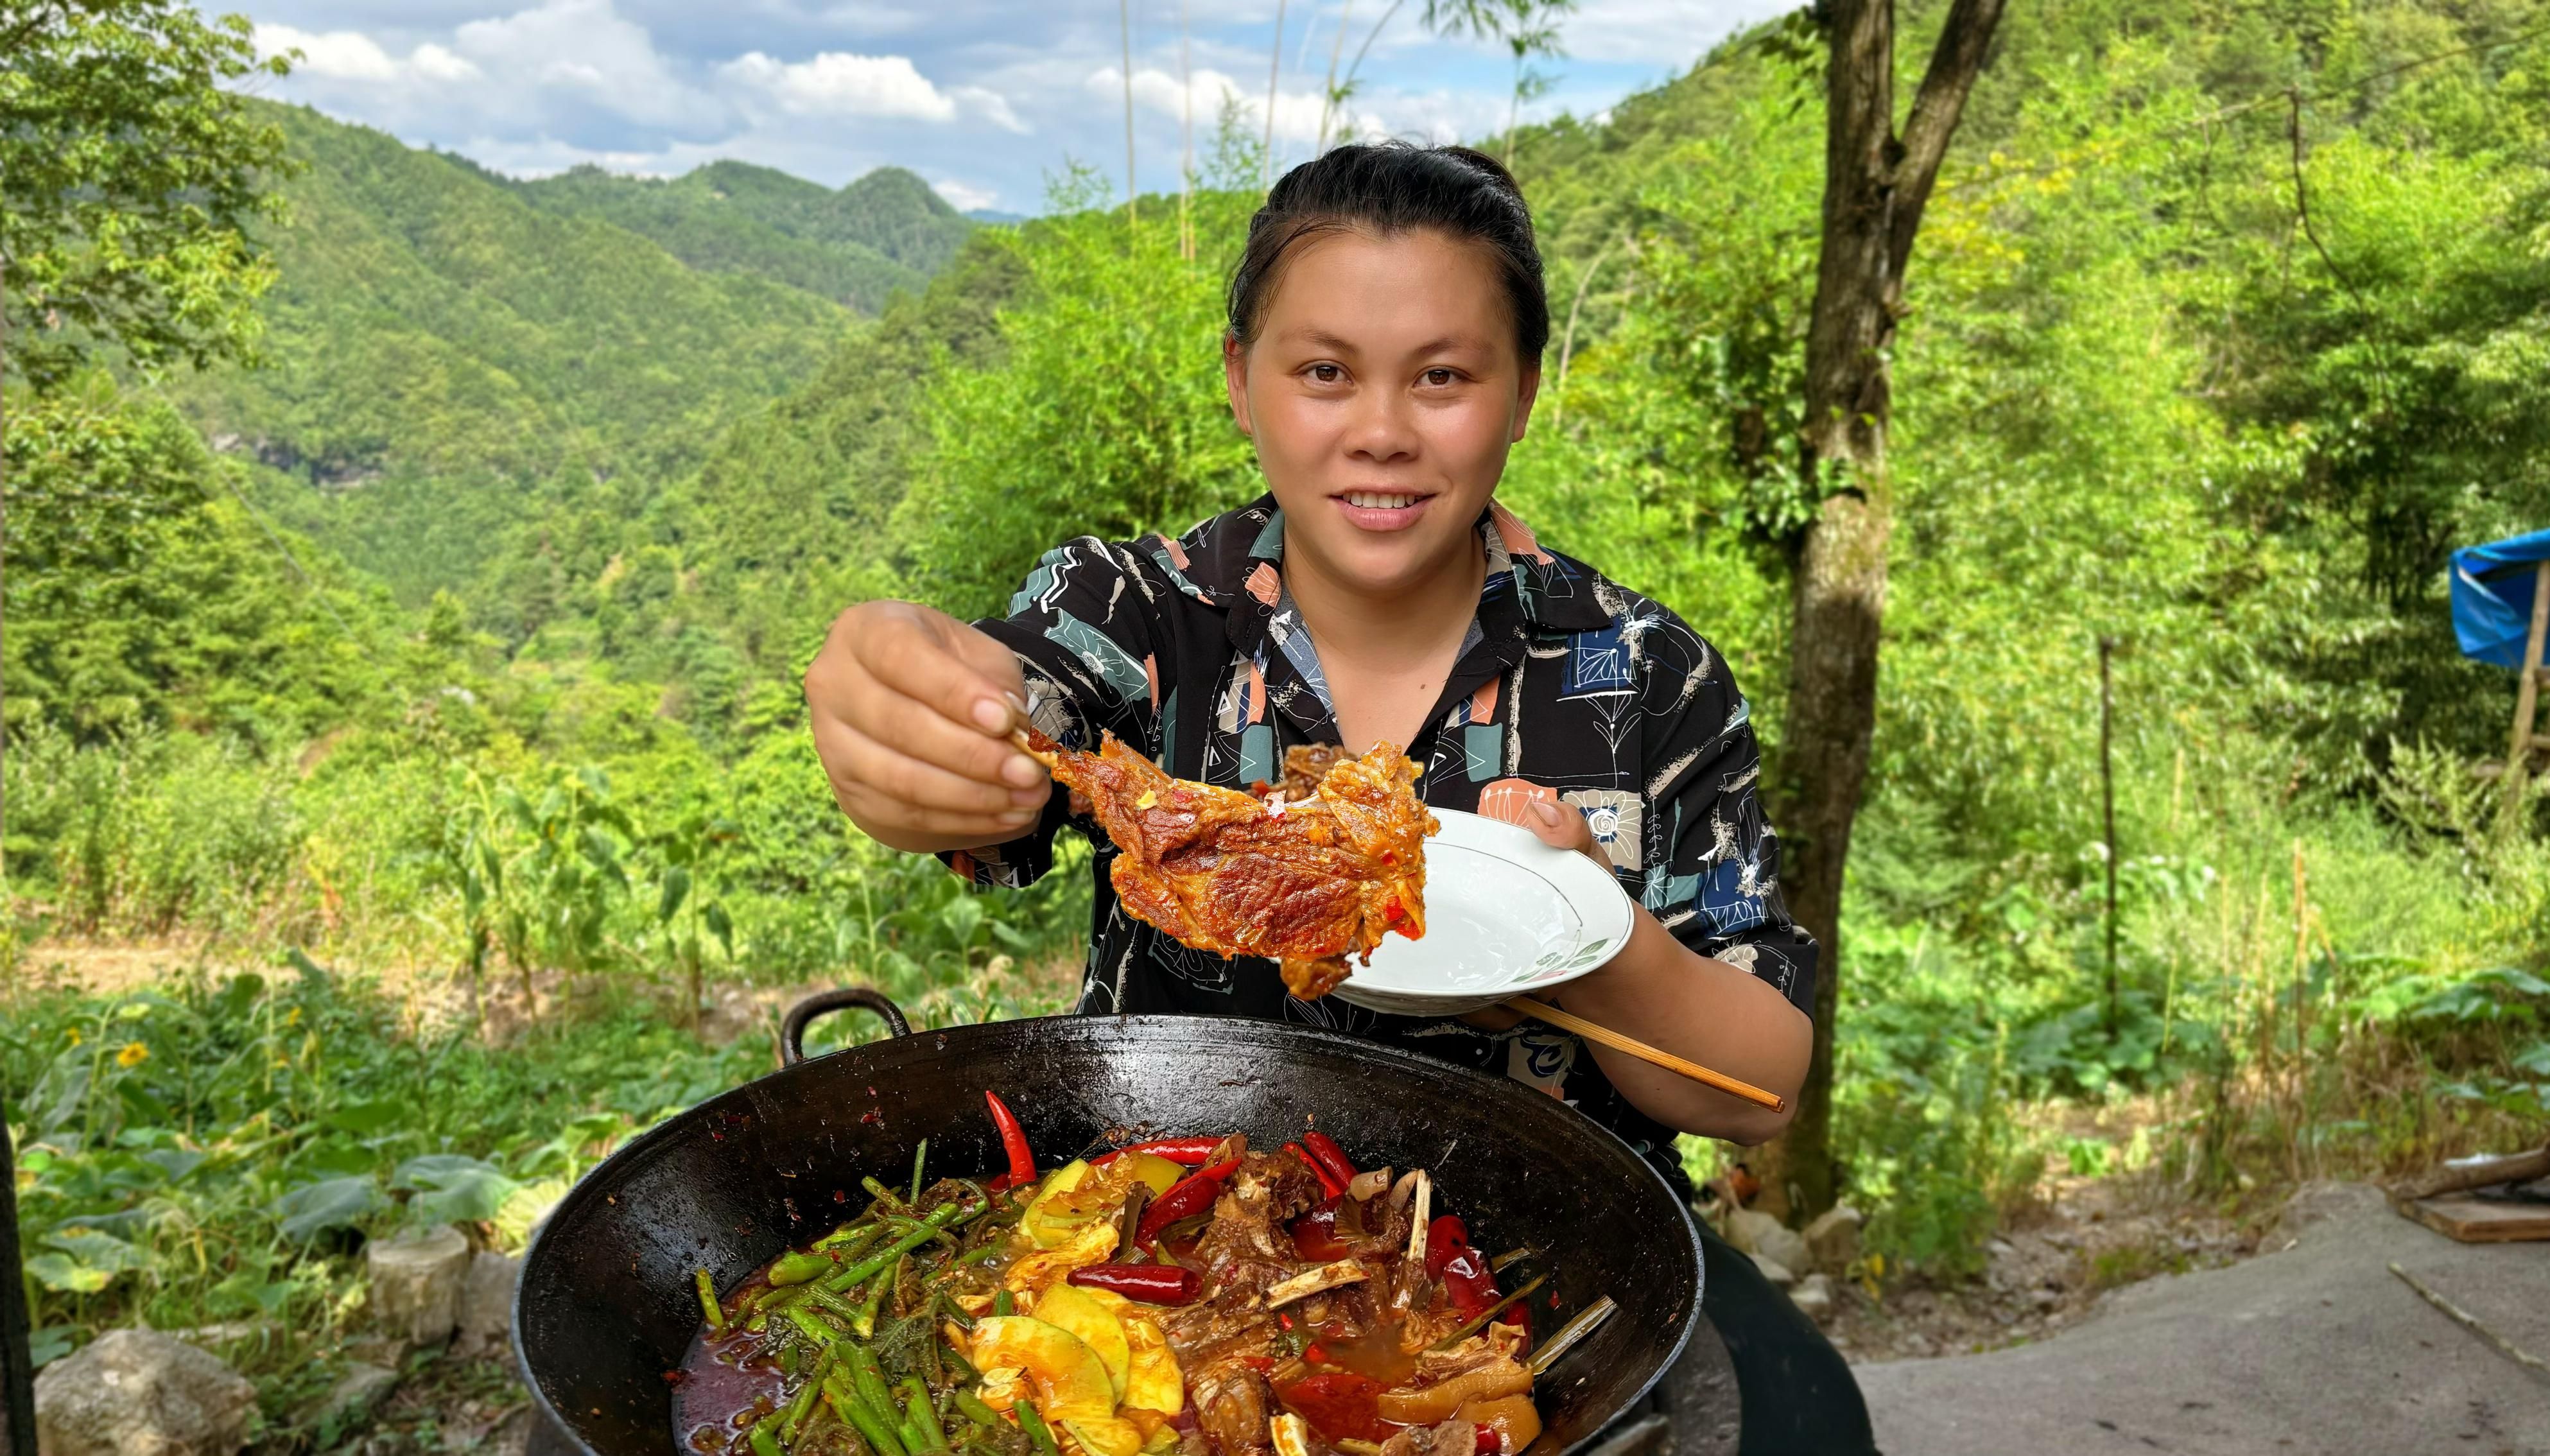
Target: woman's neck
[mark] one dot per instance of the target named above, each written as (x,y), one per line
(1389,631)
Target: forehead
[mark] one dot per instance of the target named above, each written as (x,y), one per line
(1380,290)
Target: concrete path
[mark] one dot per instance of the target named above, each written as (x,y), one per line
(2317,1349)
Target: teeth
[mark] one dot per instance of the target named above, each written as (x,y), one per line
(1372,499)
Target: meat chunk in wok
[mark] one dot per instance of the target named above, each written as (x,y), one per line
(1308,880)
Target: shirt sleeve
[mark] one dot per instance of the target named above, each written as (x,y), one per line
(1081,629)
(1715,882)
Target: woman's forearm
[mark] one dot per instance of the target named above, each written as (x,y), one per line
(1705,1011)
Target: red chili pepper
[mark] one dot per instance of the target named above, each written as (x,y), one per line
(1186,1198)
(1259,1363)
(1188,1152)
(1013,1142)
(1317,1354)
(1467,1280)
(1393,913)
(1486,1441)
(1329,1187)
(1339,1405)
(1325,1151)
(1151,1283)
(1315,1234)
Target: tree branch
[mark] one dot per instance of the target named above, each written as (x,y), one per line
(1954,65)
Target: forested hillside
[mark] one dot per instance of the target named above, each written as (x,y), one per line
(884,233)
(463,369)
(455,639)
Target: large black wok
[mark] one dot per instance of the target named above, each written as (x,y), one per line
(606,1303)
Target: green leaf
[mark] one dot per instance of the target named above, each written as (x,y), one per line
(677,888)
(50,1343)
(239,996)
(60,1092)
(143,1103)
(452,1189)
(98,1249)
(721,927)
(333,1203)
(363,1119)
(61,1272)
(962,917)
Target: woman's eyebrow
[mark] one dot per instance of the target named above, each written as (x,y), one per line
(1320,339)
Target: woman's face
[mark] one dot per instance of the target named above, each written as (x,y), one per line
(1383,391)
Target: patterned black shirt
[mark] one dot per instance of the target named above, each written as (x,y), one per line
(1192,650)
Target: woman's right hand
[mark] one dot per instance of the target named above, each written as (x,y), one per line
(912,712)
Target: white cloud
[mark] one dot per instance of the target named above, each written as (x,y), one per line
(991,106)
(352,56)
(839,83)
(1298,113)
(587,48)
(965,198)
(1667,33)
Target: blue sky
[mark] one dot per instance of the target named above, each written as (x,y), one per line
(984,98)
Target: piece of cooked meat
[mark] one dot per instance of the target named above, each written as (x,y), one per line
(1307,881)
(1232,1402)
(1304,765)
(1450,1438)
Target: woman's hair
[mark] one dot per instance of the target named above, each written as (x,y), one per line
(1390,188)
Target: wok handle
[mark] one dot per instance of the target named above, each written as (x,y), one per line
(792,1031)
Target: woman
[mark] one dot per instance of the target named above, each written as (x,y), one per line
(1385,325)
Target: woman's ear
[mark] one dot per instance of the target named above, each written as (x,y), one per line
(1527,390)
(1235,380)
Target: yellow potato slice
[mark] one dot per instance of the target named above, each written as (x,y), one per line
(1156,1171)
(1105,1435)
(1068,1306)
(1153,1380)
(1048,1219)
(1070,1381)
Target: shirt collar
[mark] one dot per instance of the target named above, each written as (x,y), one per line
(1235,562)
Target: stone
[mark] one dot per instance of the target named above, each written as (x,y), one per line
(141,1393)
(1832,1240)
(1774,1271)
(1814,1297)
(486,1312)
(1757,1232)
(416,1283)
(350,1401)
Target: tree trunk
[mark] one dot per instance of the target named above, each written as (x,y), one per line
(1875,188)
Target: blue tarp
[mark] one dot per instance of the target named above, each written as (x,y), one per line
(2493,596)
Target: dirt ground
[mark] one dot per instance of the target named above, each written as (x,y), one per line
(2045,1273)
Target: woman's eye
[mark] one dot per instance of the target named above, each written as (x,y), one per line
(1326,373)
(1439,377)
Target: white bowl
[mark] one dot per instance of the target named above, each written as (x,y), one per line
(1504,915)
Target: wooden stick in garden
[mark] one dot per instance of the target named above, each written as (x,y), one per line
(2108,808)
(2527,696)
(1185,137)
(1274,67)
(1124,33)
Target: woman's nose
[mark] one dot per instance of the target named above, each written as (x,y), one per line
(1383,430)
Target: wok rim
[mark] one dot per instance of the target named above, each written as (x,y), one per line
(645,1146)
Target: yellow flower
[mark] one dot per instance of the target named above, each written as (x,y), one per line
(134,1055)
(74,1035)
(294,1019)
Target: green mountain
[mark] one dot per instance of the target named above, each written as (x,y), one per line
(450,362)
(884,233)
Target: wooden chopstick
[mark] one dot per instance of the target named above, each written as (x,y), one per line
(1542,1011)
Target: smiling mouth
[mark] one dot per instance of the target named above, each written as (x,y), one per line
(1375,500)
